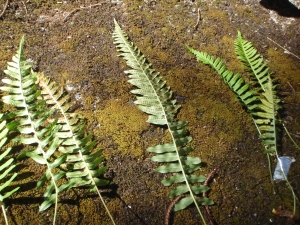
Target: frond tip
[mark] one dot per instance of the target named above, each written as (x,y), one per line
(154,97)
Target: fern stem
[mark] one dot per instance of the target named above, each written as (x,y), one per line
(291,188)
(97,189)
(4,213)
(288,133)
(107,210)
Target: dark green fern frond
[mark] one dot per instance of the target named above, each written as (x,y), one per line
(236,83)
(6,167)
(154,98)
(35,130)
(82,163)
(253,61)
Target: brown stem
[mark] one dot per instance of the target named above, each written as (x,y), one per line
(204,194)
(78,9)
(169,210)
(4,8)
(198,19)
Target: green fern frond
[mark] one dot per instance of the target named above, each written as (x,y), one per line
(253,61)
(267,120)
(263,105)
(81,164)
(6,167)
(236,83)
(266,117)
(32,124)
(154,98)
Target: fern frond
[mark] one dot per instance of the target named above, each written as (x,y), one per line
(235,82)
(154,98)
(265,118)
(35,130)
(81,164)
(253,61)
(262,105)
(6,167)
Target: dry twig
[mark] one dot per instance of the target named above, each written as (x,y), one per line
(4,8)
(284,213)
(81,7)
(208,178)
(25,10)
(169,210)
(198,19)
(284,48)
(291,87)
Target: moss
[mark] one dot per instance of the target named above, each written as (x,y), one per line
(215,124)
(284,65)
(219,16)
(223,134)
(227,53)
(125,123)
(68,45)
(247,12)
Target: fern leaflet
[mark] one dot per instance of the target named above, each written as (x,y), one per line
(154,98)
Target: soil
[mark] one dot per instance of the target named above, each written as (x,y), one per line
(71,42)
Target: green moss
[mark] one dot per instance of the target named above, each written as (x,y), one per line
(124,123)
(227,53)
(284,65)
(68,45)
(247,12)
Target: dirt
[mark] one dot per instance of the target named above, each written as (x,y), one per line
(71,42)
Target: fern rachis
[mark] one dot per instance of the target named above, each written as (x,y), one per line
(154,98)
